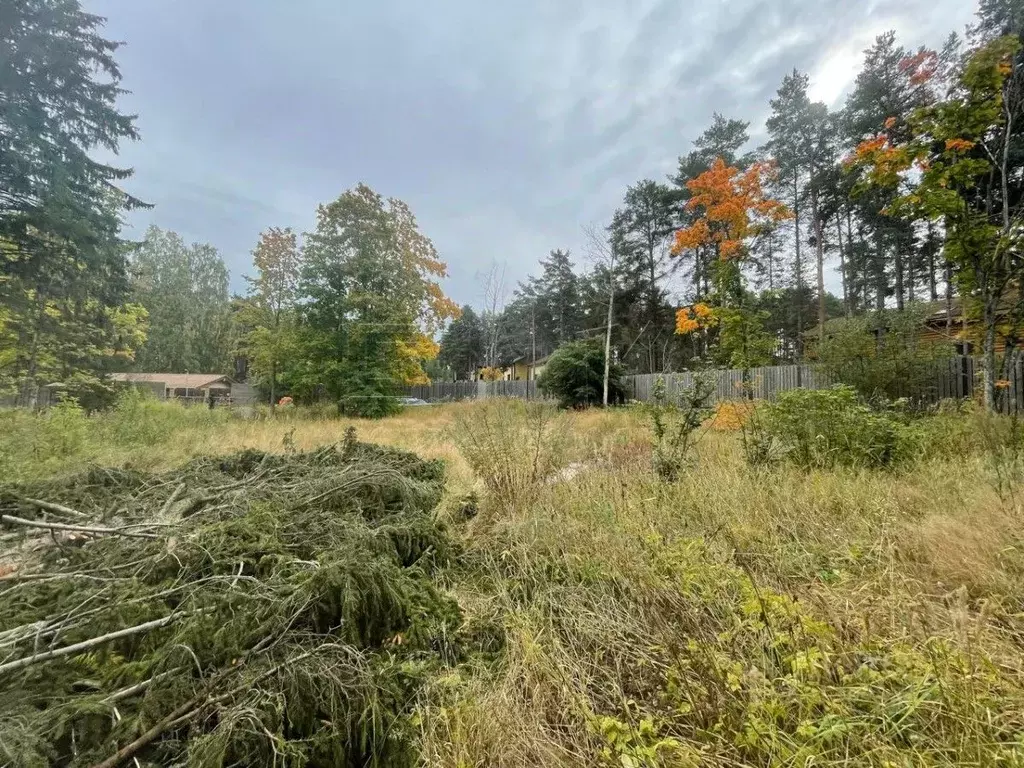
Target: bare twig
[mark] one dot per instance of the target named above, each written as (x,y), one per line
(171,499)
(85,645)
(76,528)
(131,690)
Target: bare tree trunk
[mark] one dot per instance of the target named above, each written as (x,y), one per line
(949,299)
(608,330)
(847,310)
(819,248)
(798,267)
(933,290)
(989,353)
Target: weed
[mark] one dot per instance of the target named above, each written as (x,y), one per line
(676,425)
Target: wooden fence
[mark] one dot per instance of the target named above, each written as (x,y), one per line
(955,379)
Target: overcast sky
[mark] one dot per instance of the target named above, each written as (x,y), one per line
(505,126)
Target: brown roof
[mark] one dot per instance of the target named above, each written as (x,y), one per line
(175,380)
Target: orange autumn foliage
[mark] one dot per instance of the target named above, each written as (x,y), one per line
(733,207)
(959,145)
(731,415)
(696,318)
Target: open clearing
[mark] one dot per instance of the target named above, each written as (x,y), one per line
(739,616)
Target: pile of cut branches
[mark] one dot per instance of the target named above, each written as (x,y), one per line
(254,609)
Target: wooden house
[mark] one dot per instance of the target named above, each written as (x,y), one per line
(182,386)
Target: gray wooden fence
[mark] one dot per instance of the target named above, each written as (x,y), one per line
(763,383)
(955,378)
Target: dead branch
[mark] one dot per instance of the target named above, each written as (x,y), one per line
(85,645)
(130,749)
(75,528)
(57,509)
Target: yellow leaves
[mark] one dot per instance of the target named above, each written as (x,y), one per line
(491,374)
(411,353)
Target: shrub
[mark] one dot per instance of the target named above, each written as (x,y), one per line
(575,376)
(513,446)
(832,427)
(898,364)
(675,424)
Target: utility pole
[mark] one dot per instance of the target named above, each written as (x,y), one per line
(608,330)
(533,340)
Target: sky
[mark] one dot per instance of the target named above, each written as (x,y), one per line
(507,127)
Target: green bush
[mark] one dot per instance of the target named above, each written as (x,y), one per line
(676,424)
(883,355)
(834,427)
(575,376)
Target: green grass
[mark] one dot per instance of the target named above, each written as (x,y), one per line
(740,616)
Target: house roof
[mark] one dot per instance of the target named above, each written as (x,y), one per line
(175,380)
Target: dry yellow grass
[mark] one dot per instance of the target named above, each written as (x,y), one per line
(737,617)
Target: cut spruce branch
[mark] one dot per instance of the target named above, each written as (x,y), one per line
(86,645)
(11,519)
(248,579)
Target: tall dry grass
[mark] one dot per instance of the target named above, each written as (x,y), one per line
(737,617)
(742,616)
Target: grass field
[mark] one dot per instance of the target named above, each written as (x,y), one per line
(740,616)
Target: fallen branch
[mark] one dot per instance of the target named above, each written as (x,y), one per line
(85,645)
(131,690)
(58,509)
(187,711)
(130,749)
(75,528)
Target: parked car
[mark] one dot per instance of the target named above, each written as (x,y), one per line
(412,401)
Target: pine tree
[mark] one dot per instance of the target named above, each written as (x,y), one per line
(641,230)
(723,139)
(59,213)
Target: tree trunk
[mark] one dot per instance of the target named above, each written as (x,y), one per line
(933,289)
(989,353)
(819,252)
(273,384)
(900,282)
(949,299)
(847,309)
(881,284)
(608,330)
(798,268)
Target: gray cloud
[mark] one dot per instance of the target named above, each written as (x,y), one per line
(505,128)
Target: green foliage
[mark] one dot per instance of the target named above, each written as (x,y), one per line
(303,595)
(574,374)
(66,435)
(63,275)
(883,355)
(60,85)
(675,425)
(184,289)
(372,303)
(462,345)
(267,317)
(833,427)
